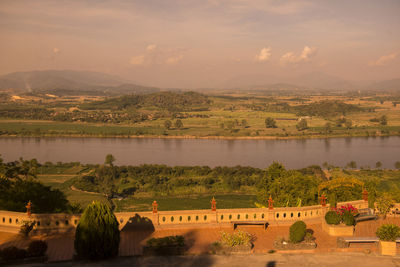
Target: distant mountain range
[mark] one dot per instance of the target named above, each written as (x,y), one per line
(54,81)
(62,82)
(314,80)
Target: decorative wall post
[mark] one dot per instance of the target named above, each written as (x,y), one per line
(213,204)
(365,195)
(29,208)
(155,205)
(270,203)
(323,201)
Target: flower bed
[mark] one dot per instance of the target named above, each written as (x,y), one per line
(340,221)
(236,243)
(300,238)
(282,244)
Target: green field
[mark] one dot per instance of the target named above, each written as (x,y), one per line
(64,182)
(186,203)
(221,114)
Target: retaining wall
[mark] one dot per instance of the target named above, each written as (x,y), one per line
(11,221)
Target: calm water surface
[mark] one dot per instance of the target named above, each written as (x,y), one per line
(256,153)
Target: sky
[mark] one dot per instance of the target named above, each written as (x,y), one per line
(202,44)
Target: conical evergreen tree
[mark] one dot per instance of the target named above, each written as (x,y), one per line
(97,235)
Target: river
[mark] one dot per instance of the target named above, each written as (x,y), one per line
(293,153)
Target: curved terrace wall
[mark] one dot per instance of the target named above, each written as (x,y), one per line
(11,221)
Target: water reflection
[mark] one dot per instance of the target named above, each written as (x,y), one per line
(327,144)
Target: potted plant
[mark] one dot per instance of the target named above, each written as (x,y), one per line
(340,221)
(387,234)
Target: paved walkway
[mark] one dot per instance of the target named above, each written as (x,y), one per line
(268,260)
(61,247)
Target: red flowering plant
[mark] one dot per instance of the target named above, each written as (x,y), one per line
(344,208)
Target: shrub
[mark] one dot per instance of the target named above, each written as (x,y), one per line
(384,204)
(331,217)
(236,239)
(13,253)
(388,232)
(26,227)
(348,218)
(177,240)
(97,235)
(37,248)
(297,232)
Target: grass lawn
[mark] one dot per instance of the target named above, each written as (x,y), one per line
(186,203)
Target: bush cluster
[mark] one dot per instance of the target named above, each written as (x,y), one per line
(167,241)
(348,218)
(335,217)
(236,239)
(297,232)
(331,217)
(388,232)
(36,248)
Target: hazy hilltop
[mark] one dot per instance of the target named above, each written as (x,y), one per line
(385,85)
(312,80)
(68,80)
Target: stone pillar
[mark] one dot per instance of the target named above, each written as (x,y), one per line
(270,203)
(213,204)
(155,205)
(29,208)
(365,195)
(155,216)
(323,201)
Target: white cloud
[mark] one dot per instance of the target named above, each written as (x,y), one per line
(151,47)
(292,58)
(173,60)
(307,53)
(383,60)
(137,60)
(264,54)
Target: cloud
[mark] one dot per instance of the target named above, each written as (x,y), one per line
(137,60)
(292,58)
(383,60)
(155,55)
(173,60)
(264,54)
(151,47)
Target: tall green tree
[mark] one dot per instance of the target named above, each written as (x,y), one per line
(109,160)
(302,125)
(167,124)
(270,123)
(178,124)
(97,235)
(383,120)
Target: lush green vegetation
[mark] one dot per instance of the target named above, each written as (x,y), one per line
(228,114)
(18,186)
(69,187)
